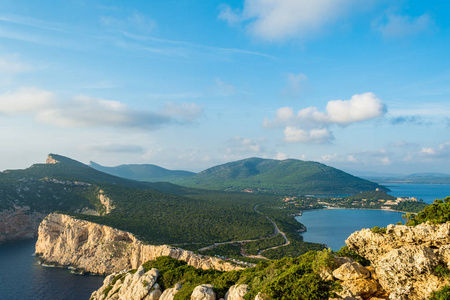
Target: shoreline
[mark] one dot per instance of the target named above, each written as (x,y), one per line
(392,210)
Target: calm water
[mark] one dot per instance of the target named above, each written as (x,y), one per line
(21,277)
(333,226)
(427,192)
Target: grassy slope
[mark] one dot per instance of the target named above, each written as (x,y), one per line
(279,177)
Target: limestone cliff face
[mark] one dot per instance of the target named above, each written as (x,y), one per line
(405,258)
(101,249)
(19,223)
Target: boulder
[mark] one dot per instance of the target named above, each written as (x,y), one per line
(203,292)
(237,292)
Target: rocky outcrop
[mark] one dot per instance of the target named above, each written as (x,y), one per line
(405,258)
(125,285)
(105,201)
(19,223)
(51,160)
(170,293)
(203,292)
(237,292)
(357,282)
(100,249)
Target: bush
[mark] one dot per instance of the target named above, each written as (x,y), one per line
(442,294)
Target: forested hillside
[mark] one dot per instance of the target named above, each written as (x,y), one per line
(158,213)
(287,177)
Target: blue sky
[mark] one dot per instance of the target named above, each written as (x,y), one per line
(192,84)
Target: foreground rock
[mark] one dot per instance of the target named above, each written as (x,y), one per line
(100,249)
(19,223)
(405,258)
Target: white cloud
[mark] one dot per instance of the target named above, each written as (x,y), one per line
(281,156)
(442,151)
(244,145)
(311,125)
(85,111)
(25,100)
(297,135)
(430,151)
(278,20)
(395,26)
(360,107)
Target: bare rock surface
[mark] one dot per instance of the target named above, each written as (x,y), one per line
(100,249)
(405,258)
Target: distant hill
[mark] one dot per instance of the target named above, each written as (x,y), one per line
(417,178)
(279,177)
(146,172)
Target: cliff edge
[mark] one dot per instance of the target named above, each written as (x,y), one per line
(100,249)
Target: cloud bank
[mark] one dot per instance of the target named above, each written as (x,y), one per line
(85,111)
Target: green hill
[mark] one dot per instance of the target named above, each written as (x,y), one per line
(151,173)
(286,177)
(158,213)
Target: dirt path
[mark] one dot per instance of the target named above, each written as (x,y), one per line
(275,232)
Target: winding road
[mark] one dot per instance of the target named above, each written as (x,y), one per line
(275,232)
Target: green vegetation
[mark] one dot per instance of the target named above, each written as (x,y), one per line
(410,206)
(287,177)
(436,213)
(253,248)
(287,224)
(377,229)
(232,250)
(145,172)
(289,278)
(345,252)
(442,294)
(374,200)
(157,213)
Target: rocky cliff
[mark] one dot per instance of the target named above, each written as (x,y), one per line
(143,285)
(406,260)
(100,249)
(19,223)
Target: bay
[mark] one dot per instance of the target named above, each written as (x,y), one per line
(332,226)
(22,278)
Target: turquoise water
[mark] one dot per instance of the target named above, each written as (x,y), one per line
(22,278)
(333,226)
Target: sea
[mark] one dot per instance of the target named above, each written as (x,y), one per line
(22,277)
(332,226)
